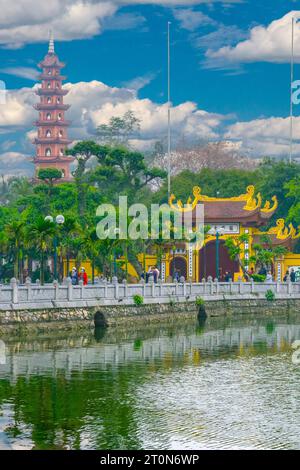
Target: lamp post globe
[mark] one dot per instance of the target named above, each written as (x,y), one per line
(49,218)
(60,219)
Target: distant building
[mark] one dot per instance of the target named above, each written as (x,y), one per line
(52,137)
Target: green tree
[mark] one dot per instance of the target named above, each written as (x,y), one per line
(49,175)
(40,234)
(15,232)
(119,129)
(83,152)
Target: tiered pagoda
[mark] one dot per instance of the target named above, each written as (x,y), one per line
(52,138)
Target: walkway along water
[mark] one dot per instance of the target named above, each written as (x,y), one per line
(112,304)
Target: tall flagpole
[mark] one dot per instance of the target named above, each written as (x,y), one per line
(169,114)
(291,93)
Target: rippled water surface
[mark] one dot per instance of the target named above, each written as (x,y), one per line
(225,383)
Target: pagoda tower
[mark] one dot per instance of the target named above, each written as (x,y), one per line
(52,137)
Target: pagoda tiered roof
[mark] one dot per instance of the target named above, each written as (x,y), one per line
(51,91)
(44,76)
(52,122)
(52,106)
(52,140)
(51,60)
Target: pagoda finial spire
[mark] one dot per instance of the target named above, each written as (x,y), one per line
(51,43)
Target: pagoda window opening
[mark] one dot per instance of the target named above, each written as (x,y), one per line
(48,152)
(58,100)
(48,85)
(63,174)
(61,152)
(48,133)
(49,101)
(49,72)
(59,117)
(61,134)
(57,84)
(48,116)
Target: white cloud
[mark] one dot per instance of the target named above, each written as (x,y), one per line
(191,19)
(17,111)
(28,21)
(266,137)
(270,43)
(14,164)
(94,103)
(25,72)
(139,83)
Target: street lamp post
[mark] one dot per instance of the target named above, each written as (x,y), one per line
(59,220)
(218,255)
(218,233)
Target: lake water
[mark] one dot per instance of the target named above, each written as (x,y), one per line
(221,384)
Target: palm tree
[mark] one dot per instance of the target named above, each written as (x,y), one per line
(69,232)
(41,234)
(15,232)
(3,250)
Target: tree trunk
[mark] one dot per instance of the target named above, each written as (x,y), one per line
(93,271)
(16,264)
(42,269)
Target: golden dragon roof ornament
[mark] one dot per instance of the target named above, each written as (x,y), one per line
(252,202)
(282,232)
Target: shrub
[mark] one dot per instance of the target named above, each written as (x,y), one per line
(199,301)
(258,277)
(138,299)
(270,296)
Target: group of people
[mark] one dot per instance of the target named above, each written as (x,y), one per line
(76,277)
(152,271)
(290,276)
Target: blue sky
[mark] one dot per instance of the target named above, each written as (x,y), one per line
(122,43)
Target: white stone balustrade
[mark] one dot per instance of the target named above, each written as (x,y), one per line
(36,296)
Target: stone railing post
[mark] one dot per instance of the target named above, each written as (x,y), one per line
(289,287)
(217,285)
(14,286)
(70,289)
(28,286)
(252,286)
(125,288)
(153,288)
(278,287)
(240,287)
(116,285)
(80,283)
(56,289)
(105,288)
(184,289)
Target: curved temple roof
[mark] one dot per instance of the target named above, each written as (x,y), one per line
(246,208)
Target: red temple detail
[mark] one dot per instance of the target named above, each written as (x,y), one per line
(52,138)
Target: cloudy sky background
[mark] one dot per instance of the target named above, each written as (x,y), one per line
(230,69)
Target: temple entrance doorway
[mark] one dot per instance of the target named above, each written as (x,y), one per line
(178,264)
(207,264)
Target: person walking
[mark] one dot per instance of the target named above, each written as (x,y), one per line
(156,274)
(83,276)
(74,276)
(293,275)
(269,277)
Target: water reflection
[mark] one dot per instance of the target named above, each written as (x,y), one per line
(219,383)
